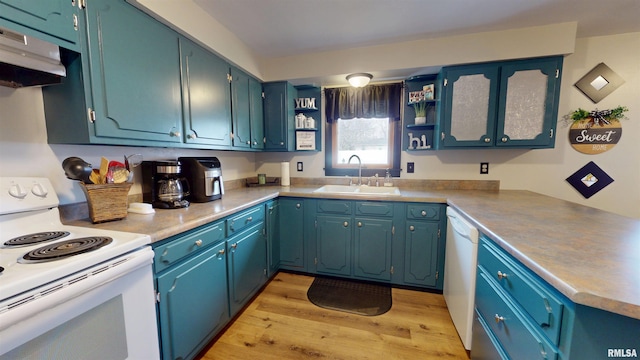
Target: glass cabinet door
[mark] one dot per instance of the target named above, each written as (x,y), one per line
(526,105)
(469,108)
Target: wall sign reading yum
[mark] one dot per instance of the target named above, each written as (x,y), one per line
(597,131)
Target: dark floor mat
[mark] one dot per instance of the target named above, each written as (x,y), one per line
(350,296)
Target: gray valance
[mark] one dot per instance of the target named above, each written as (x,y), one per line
(372,101)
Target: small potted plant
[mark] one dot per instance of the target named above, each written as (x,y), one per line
(421,112)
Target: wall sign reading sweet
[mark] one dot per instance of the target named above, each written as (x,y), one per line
(596,131)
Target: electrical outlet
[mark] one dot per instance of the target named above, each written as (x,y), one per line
(410,167)
(299,166)
(484,168)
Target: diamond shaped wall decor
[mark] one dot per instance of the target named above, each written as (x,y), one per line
(599,82)
(589,180)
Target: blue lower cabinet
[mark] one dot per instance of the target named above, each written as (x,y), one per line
(272,224)
(333,245)
(485,345)
(247,265)
(193,304)
(421,266)
(292,243)
(519,338)
(372,248)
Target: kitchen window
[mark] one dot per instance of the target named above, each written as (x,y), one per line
(363,122)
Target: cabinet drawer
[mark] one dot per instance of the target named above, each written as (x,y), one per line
(374,208)
(423,211)
(334,207)
(519,337)
(237,223)
(188,244)
(544,308)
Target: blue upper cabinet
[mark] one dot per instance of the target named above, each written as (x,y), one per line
(279,126)
(469,113)
(205,96)
(506,104)
(55,21)
(246,93)
(528,103)
(135,74)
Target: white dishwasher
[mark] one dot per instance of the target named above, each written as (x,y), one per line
(461,259)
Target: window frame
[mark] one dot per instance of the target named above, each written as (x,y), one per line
(395,130)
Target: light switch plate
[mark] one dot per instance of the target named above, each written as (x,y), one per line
(410,167)
(299,166)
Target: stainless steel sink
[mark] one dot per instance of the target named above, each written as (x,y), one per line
(359,190)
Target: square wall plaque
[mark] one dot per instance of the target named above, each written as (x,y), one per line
(599,82)
(589,180)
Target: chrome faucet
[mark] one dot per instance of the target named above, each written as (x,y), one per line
(359,167)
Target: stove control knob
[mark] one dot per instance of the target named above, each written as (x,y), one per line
(17,191)
(39,190)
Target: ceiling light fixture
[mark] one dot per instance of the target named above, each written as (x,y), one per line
(359,79)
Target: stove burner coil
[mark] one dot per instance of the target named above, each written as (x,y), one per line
(36,238)
(66,248)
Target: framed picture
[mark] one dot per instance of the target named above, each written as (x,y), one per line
(416,96)
(429,92)
(305,140)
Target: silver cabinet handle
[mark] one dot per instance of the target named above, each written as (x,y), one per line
(487,140)
(504,139)
(173,133)
(501,275)
(298,205)
(234,245)
(249,219)
(498,318)
(359,224)
(423,213)
(192,135)
(248,142)
(281,142)
(411,228)
(346,223)
(221,252)
(198,242)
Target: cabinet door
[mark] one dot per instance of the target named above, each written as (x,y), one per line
(256,114)
(279,116)
(292,238)
(241,113)
(528,103)
(247,268)
(206,98)
(469,105)
(51,20)
(272,223)
(372,248)
(135,74)
(193,303)
(333,245)
(421,253)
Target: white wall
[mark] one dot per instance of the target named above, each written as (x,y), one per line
(24,150)
(543,171)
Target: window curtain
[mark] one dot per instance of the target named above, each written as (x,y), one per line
(372,101)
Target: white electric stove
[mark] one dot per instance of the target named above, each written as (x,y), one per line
(54,276)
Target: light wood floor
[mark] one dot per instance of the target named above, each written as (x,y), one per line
(282,324)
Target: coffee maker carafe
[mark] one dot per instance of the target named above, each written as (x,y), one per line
(163,186)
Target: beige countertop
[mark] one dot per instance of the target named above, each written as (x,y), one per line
(590,256)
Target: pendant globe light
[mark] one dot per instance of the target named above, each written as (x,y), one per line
(359,79)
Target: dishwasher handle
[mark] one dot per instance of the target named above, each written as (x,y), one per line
(461,226)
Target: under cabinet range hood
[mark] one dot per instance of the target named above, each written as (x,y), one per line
(27,61)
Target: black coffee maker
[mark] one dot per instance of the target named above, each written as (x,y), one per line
(163,185)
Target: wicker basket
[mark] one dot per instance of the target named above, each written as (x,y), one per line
(106,201)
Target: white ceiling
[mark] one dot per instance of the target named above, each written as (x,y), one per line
(276,28)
